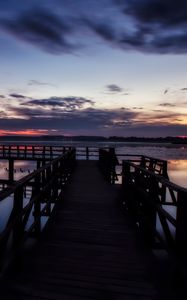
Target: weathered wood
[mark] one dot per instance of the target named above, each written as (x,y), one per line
(11,170)
(89,250)
(181,226)
(44,190)
(144,197)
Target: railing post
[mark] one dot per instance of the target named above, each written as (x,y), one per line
(128,191)
(165,169)
(126,182)
(113,162)
(37,205)
(17,210)
(25,151)
(11,169)
(148,223)
(4,152)
(44,152)
(181,227)
(87,153)
(51,152)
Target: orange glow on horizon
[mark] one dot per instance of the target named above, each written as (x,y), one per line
(28,132)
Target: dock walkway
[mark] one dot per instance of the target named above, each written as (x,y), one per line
(89,249)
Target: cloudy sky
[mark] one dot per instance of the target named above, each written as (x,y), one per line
(93,67)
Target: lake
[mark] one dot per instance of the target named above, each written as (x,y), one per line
(176,155)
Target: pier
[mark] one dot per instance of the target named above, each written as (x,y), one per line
(101,221)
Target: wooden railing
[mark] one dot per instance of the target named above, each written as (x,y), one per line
(31,152)
(45,152)
(158,206)
(111,164)
(33,198)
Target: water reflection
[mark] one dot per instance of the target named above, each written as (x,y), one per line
(21,169)
(177,170)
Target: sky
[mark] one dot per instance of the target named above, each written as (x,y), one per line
(93,67)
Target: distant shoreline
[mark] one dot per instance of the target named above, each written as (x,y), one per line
(97,139)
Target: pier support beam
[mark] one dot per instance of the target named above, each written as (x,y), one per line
(11,170)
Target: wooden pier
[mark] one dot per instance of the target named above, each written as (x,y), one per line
(91,247)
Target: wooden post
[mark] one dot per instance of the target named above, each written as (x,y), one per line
(126,184)
(4,151)
(11,169)
(9,151)
(51,152)
(33,152)
(165,169)
(87,153)
(25,151)
(38,164)
(148,223)
(44,152)
(181,227)
(37,205)
(113,162)
(18,230)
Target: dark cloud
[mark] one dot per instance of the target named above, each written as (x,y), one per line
(184,89)
(2,96)
(163,13)
(19,96)
(159,26)
(114,88)
(102,29)
(78,115)
(65,103)
(40,28)
(87,119)
(166,104)
(152,26)
(90,121)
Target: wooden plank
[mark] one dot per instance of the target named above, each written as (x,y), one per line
(89,249)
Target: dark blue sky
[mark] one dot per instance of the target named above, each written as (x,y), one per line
(93,67)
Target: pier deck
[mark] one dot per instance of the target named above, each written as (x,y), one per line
(89,250)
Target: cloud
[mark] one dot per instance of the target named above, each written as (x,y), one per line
(86,120)
(163,13)
(39,83)
(114,88)
(19,96)
(41,28)
(166,104)
(91,121)
(159,26)
(78,115)
(65,103)
(63,113)
(135,107)
(166,91)
(184,89)
(102,29)
(2,96)
(148,26)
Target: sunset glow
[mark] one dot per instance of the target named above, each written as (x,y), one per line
(28,132)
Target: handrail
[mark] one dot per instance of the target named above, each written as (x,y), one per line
(33,197)
(147,195)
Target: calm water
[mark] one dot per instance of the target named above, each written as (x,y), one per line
(176,155)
